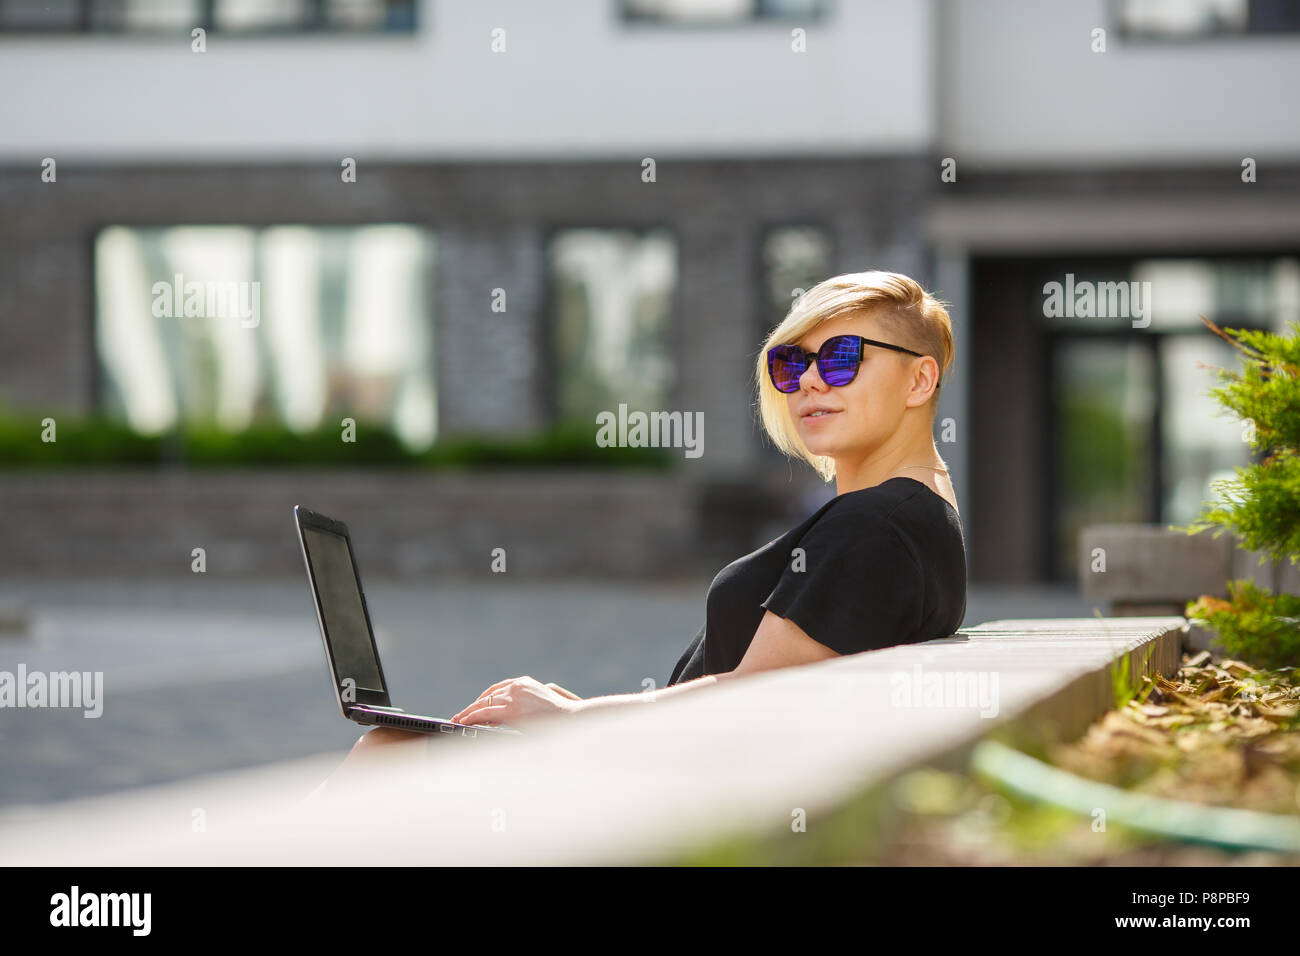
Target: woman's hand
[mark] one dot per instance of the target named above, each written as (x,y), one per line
(519,698)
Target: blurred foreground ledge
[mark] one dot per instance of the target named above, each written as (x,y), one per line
(641,784)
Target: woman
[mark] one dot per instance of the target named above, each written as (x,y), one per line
(848,381)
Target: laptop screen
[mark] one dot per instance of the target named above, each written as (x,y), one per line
(339,594)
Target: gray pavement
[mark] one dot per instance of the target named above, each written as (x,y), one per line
(204,676)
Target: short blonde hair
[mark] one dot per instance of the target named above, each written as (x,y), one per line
(907,314)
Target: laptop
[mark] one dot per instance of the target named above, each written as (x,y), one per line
(349,640)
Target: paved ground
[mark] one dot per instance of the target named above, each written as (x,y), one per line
(202,676)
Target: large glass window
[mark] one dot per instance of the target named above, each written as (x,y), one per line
(221,16)
(1191,19)
(1135,436)
(612,297)
(229,326)
(1105,400)
(717,11)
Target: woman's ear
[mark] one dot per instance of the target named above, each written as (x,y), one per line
(925,379)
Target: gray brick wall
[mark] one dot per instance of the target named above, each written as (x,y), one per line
(490,223)
(405,524)
(489,364)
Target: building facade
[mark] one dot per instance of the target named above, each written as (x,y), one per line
(610,203)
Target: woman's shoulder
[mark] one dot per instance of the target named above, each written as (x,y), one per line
(900,507)
(885,502)
(856,515)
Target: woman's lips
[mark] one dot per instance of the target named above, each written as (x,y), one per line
(813,418)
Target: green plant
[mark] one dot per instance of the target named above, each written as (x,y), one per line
(1255,625)
(1122,679)
(1261,504)
(98,441)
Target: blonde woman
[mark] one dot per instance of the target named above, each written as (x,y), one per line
(848,382)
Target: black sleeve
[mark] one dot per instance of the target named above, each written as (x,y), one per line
(861,587)
(691,664)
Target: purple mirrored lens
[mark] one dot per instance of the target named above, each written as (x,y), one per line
(785,364)
(837,361)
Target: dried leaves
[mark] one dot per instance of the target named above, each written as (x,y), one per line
(1221,733)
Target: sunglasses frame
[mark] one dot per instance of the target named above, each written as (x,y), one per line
(809,357)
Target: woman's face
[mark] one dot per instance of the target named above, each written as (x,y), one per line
(853,420)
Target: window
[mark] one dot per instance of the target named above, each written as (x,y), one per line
(793,259)
(1136,436)
(713,12)
(1192,19)
(219,16)
(611,299)
(1105,403)
(230,326)
(1090,415)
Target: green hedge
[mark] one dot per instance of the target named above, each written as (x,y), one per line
(94,441)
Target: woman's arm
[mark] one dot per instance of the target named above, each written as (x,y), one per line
(777,643)
(649,696)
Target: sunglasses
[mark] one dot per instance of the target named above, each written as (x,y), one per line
(837,361)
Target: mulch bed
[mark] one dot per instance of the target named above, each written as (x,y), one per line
(1219,733)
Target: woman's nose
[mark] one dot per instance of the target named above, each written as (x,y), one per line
(812,377)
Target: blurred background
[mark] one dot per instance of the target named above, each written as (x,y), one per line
(470,227)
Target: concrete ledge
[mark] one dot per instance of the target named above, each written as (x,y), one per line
(637,784)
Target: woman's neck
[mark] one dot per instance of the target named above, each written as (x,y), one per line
(916,460)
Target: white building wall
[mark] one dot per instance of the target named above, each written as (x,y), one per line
(1021,86)
(574,82)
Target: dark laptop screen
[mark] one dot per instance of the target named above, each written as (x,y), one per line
(339,594)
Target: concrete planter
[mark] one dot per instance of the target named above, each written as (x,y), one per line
(1146,564)
(1145,569)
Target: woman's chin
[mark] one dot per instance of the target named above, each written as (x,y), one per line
(819,445)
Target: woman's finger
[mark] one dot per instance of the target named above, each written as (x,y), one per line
(488,700)
(481,713)
(495,691)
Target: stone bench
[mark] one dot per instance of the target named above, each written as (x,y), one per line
(636,784)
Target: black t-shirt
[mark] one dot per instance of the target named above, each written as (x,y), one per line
(880,566)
